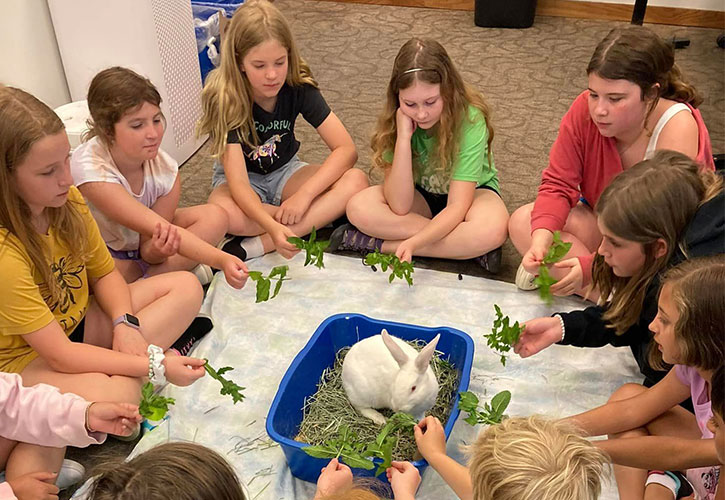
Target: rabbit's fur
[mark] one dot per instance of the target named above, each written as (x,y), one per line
(385,372)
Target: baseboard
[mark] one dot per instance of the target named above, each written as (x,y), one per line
(584,10)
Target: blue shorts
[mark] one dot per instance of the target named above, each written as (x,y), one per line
(268,187)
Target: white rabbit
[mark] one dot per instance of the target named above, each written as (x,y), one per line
(385,372)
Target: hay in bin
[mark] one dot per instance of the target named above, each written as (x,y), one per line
(329,407)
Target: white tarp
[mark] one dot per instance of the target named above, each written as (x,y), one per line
(260,341)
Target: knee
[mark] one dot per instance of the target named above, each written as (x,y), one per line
(124,389)
(627,391)
(189,289)
(216,214)
(519,224)
(353,181)
(356,209)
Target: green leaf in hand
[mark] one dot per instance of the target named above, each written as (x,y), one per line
(398,269)
(228,387)
(544,280)
(314,250)
(264,283)
(503,335)
(153,406)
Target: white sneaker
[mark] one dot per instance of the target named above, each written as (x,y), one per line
(525,280)
(70,473)
(203,273)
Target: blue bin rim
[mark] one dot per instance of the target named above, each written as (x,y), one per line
(465,377)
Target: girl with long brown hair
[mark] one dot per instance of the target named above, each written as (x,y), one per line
(637,102)
(440,195)
(658,213)
(648,431)
(67,316)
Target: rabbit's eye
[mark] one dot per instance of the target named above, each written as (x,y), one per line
(412,389)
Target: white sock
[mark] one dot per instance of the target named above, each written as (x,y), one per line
(663,480)
(253,246)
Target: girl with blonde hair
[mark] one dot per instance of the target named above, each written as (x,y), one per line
(522,458)
(646,427)
(133,188)
(250,104)
(440,194)
(637,102)
(52,257)
(652,216)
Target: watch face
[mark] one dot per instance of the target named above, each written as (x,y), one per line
(133,320)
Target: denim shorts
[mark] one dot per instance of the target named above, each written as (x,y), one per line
(268,187)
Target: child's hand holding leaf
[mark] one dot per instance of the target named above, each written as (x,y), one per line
(538,334)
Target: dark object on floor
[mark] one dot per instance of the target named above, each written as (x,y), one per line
(504,13)
(491,261)
(721,41)
(719,161)
(680,43)
(460,276)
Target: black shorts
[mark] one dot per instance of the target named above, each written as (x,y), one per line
(78,333)
(437,202)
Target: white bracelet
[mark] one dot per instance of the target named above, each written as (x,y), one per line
(157,371)
(563,328)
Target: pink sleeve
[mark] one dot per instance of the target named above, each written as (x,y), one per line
(6,492)
(42,415)
(586,261)
(559,190)
(704,147)
(683,374)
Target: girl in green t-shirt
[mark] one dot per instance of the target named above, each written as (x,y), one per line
(440,194)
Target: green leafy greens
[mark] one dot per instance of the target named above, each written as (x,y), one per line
(544,280)
(490,414)
(354,453)
(228,387)
(264,283)
(503,335)
(153,406)
(314,249)
(386,440)
(344,446)
(398,269)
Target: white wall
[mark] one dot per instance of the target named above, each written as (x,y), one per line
(29,56)
(718,5)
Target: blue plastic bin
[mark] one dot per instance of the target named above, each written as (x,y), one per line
(300,380)
(203,11)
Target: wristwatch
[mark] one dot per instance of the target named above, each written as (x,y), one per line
(129,320)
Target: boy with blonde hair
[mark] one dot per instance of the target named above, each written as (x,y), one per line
(526,458)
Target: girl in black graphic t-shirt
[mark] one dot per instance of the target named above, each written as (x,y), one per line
(250,106)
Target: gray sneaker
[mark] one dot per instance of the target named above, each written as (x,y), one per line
(70,473)
(348,237)
(491,261)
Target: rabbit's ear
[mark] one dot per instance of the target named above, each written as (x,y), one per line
(398,355)
(426,354)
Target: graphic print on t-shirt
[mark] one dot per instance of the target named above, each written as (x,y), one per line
(266,150)
(68,277)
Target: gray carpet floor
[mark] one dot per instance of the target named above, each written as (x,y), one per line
(529,77)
